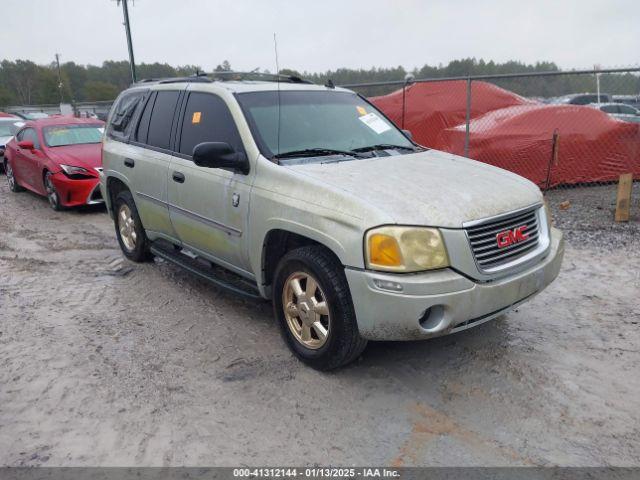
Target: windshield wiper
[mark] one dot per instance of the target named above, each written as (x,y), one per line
(316,152)
(385,146)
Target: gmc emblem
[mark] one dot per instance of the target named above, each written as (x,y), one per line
(509,237)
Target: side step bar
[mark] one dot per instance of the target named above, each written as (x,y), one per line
(237,286)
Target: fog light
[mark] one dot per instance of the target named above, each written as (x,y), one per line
(387,285)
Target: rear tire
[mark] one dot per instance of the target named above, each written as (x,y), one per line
(312,302)
(11,179)
(129,230)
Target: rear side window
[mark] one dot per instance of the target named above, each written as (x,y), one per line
(207,119)
(161,119)
(609,108)
(123,112)
(143,126)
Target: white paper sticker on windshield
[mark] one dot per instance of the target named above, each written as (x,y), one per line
(374,122)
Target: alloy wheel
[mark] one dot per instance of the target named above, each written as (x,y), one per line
(9,173)
(52,194)
(306,310)
(126,226)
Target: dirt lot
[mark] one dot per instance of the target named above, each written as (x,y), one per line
(103,362)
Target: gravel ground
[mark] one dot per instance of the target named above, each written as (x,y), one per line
(103,362)
(587,218)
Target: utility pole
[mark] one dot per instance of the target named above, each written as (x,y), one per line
(59,77)
(127,27)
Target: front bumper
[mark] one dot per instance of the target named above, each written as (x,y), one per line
(75,192)
(441,302)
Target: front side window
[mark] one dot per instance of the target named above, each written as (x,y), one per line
(609,108)
(627,110)
(287,122)
(31,135)
(63,135)
(164,108)
(207,119)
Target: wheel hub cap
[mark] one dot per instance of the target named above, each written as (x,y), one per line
(126,226)
(9,172)
(306,310)
(52,195)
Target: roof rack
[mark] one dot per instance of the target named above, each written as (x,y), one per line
(192,79)
(227,77)
(269,77)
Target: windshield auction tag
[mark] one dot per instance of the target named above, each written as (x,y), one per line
(374,122)
(196,117)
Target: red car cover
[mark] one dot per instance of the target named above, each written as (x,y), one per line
(514,133)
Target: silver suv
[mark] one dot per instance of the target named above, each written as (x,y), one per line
(309,196)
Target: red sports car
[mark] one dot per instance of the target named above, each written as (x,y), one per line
(59,157)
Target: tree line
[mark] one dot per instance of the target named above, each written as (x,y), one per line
(23,82)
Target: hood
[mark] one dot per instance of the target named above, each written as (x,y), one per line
(5,140)
(429,188)
(87,155)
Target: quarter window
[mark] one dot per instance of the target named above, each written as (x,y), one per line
(161,119)
(207,119)
(123,111)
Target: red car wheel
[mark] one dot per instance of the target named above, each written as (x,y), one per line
(52,193)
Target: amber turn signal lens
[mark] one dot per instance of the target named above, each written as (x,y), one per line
(384,251)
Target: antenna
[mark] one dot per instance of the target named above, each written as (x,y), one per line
(275,47)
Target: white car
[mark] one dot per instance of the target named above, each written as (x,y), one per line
(8,128)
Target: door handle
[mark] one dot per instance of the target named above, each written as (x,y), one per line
(128,162)
(178,177)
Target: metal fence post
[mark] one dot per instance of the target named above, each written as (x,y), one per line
(468,118)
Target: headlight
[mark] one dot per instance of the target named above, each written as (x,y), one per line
(405,249)
(71,170)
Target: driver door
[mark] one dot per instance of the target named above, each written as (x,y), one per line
(28,161)
(208,206)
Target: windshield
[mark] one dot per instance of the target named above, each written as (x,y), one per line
(8,129)
(61,135)
(317,123)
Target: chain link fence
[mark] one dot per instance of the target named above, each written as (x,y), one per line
(571,133)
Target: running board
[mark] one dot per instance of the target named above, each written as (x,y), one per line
(237,286)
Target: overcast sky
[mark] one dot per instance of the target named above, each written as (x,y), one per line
(316,35)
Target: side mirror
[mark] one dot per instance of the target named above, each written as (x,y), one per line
(26,145)
(408,134)
(219,155)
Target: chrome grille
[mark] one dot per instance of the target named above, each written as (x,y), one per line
(484,243)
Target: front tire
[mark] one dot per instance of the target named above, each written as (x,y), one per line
(52,194)
(129,230)
(313,305)
(11,178)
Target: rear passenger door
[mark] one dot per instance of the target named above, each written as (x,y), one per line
(150,159)
(208,206)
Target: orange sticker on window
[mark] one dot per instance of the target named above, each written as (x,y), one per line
(361,110)
(196,117)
